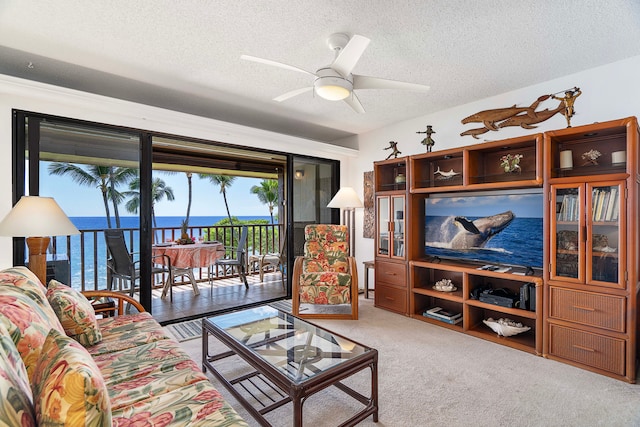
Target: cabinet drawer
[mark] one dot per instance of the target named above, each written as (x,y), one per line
(588,308)
(594,350)
(391,273)
(391,298)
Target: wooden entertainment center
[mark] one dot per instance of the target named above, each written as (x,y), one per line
(585,295)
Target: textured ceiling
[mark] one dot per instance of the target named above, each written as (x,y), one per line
(185,55)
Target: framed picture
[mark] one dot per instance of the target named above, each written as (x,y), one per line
(369,223)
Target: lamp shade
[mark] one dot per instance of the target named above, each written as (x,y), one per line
(35,216)
(346,198)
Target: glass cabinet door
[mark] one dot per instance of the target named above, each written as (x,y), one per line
(588,233)
(605,234)
(384,244)
(397,203)
(567,240)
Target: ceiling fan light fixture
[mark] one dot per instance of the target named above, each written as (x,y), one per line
(332,92)
(332,86)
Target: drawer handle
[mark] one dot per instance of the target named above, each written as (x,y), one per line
(390,274)
(389,298)
(584,308)
(579,347)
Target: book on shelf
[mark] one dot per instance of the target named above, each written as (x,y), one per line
(454,321)
(440,312)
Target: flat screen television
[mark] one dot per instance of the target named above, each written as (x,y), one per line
(501,227)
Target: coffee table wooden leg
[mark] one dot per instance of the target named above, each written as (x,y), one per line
(374,387)
(297,410)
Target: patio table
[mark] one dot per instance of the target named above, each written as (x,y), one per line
(184,258)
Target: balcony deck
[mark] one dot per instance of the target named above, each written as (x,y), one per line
(224,294)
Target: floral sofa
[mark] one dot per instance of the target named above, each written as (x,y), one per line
(63,364)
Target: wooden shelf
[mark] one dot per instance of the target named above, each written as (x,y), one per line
(479,167)
(466,277)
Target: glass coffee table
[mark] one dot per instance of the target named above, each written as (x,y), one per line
(291,359)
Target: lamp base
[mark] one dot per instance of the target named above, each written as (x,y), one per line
(38,257)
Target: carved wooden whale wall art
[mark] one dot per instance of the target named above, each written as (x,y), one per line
(525,117)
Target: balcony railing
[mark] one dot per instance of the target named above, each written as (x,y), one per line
(87,252)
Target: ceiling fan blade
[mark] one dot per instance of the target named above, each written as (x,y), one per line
(366,82)
(274,63)
(353,102)
(293,93)
(349,56)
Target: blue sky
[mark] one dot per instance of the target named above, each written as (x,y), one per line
(207,200)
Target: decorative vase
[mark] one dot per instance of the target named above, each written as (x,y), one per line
(511,163)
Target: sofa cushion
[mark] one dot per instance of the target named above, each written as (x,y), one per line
(75,313)
(325,288)
(16,399)
(24,278)
(141,373)
(193,405)
(25,322)
(68,387)
(122,332)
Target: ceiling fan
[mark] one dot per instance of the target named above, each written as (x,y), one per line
(335,82)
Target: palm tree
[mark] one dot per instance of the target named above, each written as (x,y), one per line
(159,191)
(224,181)
(117,176)
(190,186)
(189,176)
(267,193)
(102,177)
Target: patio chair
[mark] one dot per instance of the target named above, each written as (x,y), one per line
(271,259)
(325,275)
(121,265)
(239,260)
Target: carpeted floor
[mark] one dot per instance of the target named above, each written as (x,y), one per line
(431,376)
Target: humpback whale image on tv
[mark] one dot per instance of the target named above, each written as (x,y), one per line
(496,227)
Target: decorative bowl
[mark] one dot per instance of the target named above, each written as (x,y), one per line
(505,327)
(444,285)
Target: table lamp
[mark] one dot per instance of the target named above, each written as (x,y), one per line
(37,218)
(348,200)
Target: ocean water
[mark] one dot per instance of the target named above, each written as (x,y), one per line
(520,243)
(91,244)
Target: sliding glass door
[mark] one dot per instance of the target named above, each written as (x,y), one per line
(162,189)
(314,184)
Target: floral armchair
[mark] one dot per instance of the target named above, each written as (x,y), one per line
(325,275)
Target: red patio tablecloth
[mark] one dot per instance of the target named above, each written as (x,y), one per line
(191,256)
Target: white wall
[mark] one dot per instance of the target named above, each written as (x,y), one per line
(609,92)
(41,98)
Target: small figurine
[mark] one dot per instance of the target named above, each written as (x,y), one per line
(428,141)
(393,145)
(445,175)
(591,157)
(569,99)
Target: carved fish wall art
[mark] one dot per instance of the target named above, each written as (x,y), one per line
(525,121)
(475,132)
(524,117)
(490,117)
